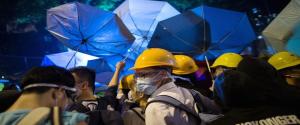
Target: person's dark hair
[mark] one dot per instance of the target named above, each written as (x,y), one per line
(275,88)
(85,74)
(240,90)
(48,74)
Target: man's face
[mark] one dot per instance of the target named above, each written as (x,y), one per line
(148,80)
(219,70)
(293,76)
(78,85)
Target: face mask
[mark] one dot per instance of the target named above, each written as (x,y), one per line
(147,85)
(147,89)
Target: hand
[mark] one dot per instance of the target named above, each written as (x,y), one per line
(120,65)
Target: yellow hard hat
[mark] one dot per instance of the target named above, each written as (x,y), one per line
(154,57)
(186,65)
(126,82)
(283,60)
(230,60)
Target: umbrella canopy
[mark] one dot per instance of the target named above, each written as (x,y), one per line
(185,33)
(105,68)
(141,18)
(230,31)
(66,59)
(293,44)
(89,29)
(281,28)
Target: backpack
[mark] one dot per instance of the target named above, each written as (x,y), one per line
(38,115)
(100,116)
(201,112)
(104,117)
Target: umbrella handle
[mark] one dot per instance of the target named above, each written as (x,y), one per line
(211,75)
(125,58)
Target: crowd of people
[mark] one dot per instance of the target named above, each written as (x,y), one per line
(164,90)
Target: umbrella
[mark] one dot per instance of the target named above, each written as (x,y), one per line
(199,32)
(103,70)
(105,67)
(66,59)
(293,44)
(88,29)
(185,33)
(141,18)
(281,28)
(230,31)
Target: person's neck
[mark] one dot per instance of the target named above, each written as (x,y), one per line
(30,101)
(86,96)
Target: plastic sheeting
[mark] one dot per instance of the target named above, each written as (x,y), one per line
(293,44)
(281,28)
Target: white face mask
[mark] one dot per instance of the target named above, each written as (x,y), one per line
(147,89)
(148,85)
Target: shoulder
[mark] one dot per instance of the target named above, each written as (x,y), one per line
(73,117)
(155,108)
(11,118)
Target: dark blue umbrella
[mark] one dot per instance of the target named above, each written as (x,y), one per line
(89,30)
(105,67)
(204,31)
(230,31)
(185,33)
(103,70)
(108,64)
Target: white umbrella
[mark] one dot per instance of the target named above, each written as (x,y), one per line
(141,18)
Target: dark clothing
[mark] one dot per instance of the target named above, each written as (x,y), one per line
(191,84)
(260,116)
(257,95)
(271,86)
(102,111)
(108,102)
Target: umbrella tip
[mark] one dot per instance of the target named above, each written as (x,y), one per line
(84,41)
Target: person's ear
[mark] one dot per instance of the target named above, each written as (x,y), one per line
(85,85)
(164,72)
(58,93)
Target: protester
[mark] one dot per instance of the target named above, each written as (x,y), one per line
(103,110)
(257,94)
(224,62)
(185,75)
(288,65)
(135,102)
(43,88)
(153,78)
